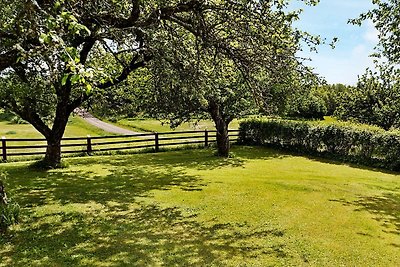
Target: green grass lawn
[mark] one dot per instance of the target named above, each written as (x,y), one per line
(152,125)
(189,208)
(76,127)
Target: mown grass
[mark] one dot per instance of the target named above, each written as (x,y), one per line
(76,127)
(189,208)
(152,125)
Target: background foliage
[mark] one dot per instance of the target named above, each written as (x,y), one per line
(375,100)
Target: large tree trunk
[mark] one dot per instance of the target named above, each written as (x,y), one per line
(221,124)
(53,153)
(222,138)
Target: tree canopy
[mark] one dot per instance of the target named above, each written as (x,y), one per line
(54,54)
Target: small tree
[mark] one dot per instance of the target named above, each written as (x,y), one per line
(217,92)
(331,95)
(375,100)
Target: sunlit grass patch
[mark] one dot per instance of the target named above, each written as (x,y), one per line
(190,208)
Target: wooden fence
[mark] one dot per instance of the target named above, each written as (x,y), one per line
(23,147)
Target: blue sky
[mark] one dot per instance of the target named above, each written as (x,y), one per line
(329,19)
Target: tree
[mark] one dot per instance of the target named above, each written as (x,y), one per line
(54,54)
(125,100)
(375,99)
(331,95)
(215,91)
(202,82)
(307,106)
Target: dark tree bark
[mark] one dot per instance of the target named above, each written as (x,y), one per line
(53,154)
(221,124)
(53,136)
(52,158)
(223,144)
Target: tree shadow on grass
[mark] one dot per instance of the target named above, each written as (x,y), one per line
(94,213)
(122,178)
(385,208)
(118,183)
(145,236)
(340,161)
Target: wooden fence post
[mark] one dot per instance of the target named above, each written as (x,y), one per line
(4,148)
(205,138)
(89,145)
(157,144)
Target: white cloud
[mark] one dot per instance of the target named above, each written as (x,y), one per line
(359,51)
(372,34)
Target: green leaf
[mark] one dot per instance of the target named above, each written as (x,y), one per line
(89,88)
(75,78)
(44,38)
(64,79)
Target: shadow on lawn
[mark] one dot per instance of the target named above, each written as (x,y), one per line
(110,181)
(97,215)
(145,236)
(123,177)
(385,208)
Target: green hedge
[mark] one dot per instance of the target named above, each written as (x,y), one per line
(376,148)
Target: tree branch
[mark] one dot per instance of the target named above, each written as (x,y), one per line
(122,23)
(134,64)
(26,114)
(167,12)
(87,47)
(77,102)
(7,35)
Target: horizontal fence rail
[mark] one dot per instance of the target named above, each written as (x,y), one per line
(23,147)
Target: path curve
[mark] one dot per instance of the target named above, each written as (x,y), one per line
(89,118)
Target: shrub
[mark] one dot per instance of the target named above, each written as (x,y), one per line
(9,210)
(6,116)
(367,146)
(309,107)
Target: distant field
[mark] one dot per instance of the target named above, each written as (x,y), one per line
(76,127)
(190,208)
(151,125)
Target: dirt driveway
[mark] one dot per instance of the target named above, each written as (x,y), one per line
(101,124)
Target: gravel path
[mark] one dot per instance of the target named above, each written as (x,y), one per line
(101,124)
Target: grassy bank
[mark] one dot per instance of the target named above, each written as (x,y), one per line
(261,208)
